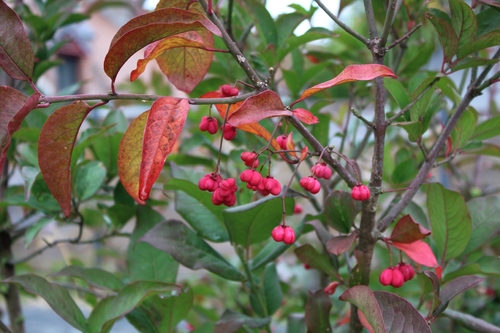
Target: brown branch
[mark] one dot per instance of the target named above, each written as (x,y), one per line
(404,37)
(4,328)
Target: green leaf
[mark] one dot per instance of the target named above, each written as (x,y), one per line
(196,207)
(252,223)
(33,230)
(29,175)
(272,289)
(413,128)
(94,276)
(471,62)
(484,212)
(405,171)
(397,91)
(56,296)
(189,250)
(485,41)
(464,129)
(489,265)
(108,310)
(488,20)
(453,288)
(231,322)
(464,21)
(362,297)
(317,312)
(450,221)
(487,129)
(447,36)
(308,255)
(145,262)
(263,21)
(340,211)
(286,24)
(88,179)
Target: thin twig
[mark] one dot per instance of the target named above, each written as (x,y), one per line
(363,119)
(389,19)
(341,24)
(4,328)
(404,37)
(370,19)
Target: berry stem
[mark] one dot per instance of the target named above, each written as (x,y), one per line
(286,190)
(222,140)
(396,189)
(390,250)
(348,162)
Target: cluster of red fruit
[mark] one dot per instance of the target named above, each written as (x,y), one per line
(311,183)
(253,178)
(223,189)
(397,276)
(283,233)
(211,125)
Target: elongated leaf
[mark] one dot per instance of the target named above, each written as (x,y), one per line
(350,73)
(107,311)
(93,276)
(252,223)
(190,250)
(487,129)
(317,312)
(186,66)
(453,288)
(413,128)
(305,116)
(263,21)
(14,108)
(450,220)
(464,129)
(129,156)
(398,92)
(33,230)
(255,108)
(308,255)
(340,211)
(16,54)
(464,21)
(480,43)
(418,251)
(340,244)
(485,212)
(407,230)
(149,28)
(231,322)
(88,179)
(58,138)
(56,296)
(447,36)
(362,297)
(400,315)
(272,289)
(155,49)
(469,62)
(163,126)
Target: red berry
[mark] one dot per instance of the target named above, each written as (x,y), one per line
(360,193)
(209,124)
(251,177)
(229,132)
(224,194)
(228,91)
(407,270)
(297,209)
(306,266)
(278,233)
(272,185)
(385,277)
(209,182)
(289,235)
(282,141)
(330,289)
(310,184)
(250,159)
(397,278)
(321,170)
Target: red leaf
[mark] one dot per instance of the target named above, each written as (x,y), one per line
(255,108)
(449,145)
(365,322)
(14,108)
(16,54)
(350,73)
(340,244)
(439,272)
(155,49)
(186,66)
(305,116)
(362,297)
(419,252)
(290,145)
(164,125)
(148,28)
(56,142)
(303,153)
(407,230)
(130,156)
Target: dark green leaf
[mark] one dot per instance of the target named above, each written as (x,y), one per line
(464,129)
(94,276)
(286,24)
(362,297)
(413,128)
(488,20)
(464,21)
(88,179)
(487,129)
(272,289)
(231,322)
(485,212)
(263,21)
(471,62)
(485,41)
(308,255)
(397,91)
(340,211)
(189,250)
(317,312)
(447,36)
(405,171)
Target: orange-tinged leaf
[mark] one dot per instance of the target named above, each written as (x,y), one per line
(16,53)
(254,128)
(163,126)
(157,48)
(149,28)
(290,145)
(350,73)
(305,116)
(56,142)
(303,154)
(418,251)
(183,4)
(257,107)
(14,107)
(407,230)
(130,156)
(186,66)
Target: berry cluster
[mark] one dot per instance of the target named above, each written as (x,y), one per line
(310,184)
(209,124)
(250,159)
(228,91)
(281,140)
(397,276)
(321,170)
(360,192)
(223,189)
(283,233)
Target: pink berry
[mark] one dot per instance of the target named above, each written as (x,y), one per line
(330,289)
(224,194)
(251,177)
(209,124)
(209,182)
(407,270)
(282,141)
(272,185)
(360,193)
(321,170)
(385,277)
(310,184)
(297,209)
(229,132)
(289,235)
(250,159)
(398,278)
(278,233)
(229,91)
